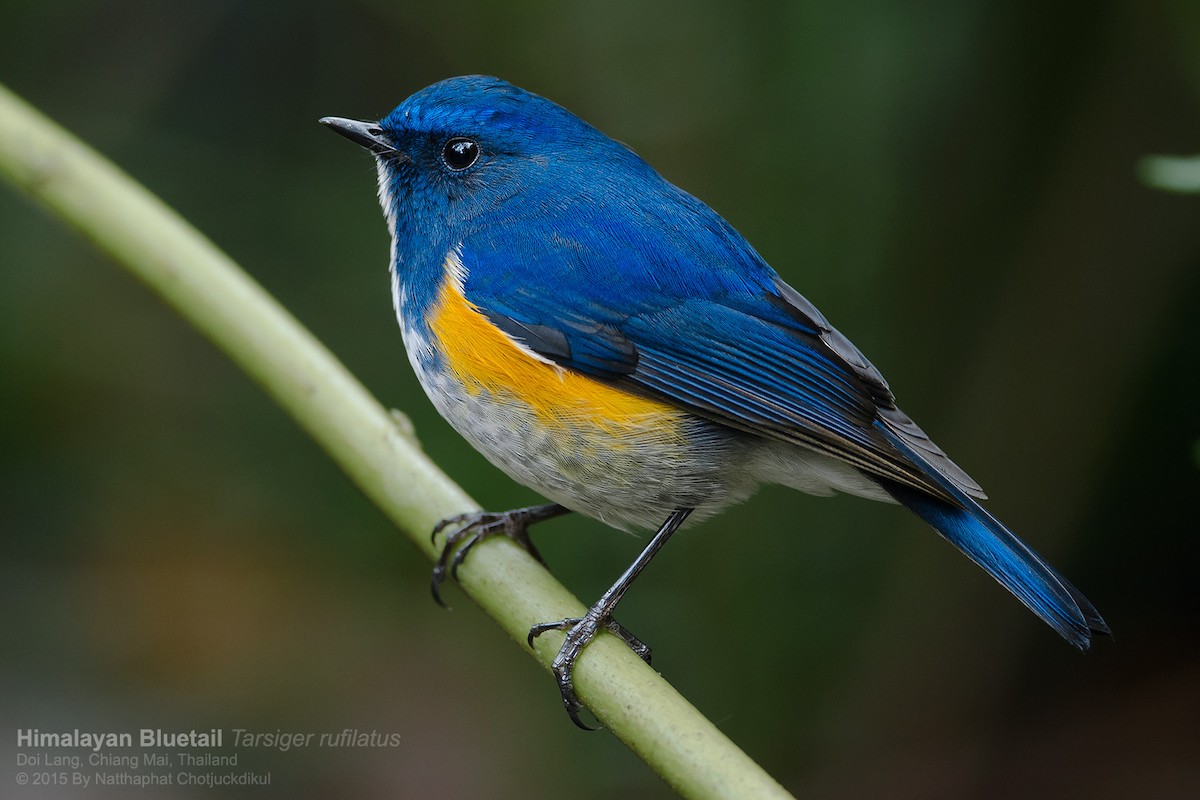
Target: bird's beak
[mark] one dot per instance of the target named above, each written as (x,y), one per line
(364,134)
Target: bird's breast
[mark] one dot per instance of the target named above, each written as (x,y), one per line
(486,361)
(591,446)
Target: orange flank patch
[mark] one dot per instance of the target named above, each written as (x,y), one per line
(485,359)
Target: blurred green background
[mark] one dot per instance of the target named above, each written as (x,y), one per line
(953,183)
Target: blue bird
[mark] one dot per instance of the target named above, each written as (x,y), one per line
(610,341)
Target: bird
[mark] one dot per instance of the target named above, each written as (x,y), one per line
(608,340)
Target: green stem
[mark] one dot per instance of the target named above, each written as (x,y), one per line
(375,449)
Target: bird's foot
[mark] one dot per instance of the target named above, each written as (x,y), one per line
(580,632)
(468,530)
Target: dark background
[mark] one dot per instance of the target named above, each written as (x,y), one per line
(953,183)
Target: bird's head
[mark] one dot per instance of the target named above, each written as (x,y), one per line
(464,147)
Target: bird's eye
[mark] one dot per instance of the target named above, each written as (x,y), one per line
(460,153)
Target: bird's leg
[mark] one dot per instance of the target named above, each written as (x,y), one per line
(472,528)
(581,630)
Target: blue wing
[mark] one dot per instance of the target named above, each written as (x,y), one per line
(695,317)
(699,320)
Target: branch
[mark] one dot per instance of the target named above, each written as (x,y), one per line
(377,450)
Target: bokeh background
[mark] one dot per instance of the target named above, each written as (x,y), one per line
(954,183)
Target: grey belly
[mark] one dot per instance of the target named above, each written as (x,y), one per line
(631,480)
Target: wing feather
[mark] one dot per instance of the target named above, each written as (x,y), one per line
(722,336)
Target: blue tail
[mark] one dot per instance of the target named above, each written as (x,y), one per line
(981,537)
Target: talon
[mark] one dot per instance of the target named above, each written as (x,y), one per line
(472,528)
(437,579)
(580,633)
(463,550)
(561,625)
(435,584)
(572,702)
(442,524)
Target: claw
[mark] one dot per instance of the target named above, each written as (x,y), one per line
(561,625)
(580,633)
(461,554)
(443,524)
(472,528)
(571,702)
